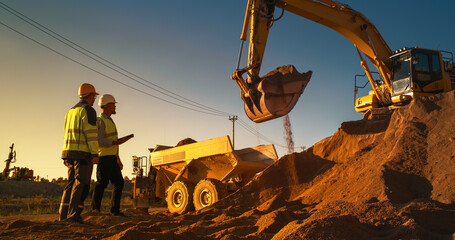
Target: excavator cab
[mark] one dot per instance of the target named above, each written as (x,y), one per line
(417,72)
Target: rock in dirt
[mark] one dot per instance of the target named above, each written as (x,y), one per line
(185,141)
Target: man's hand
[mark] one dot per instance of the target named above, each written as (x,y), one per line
(68,163)
(122,140)
(95,160)
(120,164)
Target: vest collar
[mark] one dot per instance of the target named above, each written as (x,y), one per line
(106,116)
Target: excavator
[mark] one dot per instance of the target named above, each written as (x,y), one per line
(19,173)
(404,74)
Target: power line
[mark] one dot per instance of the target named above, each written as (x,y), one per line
(84,51)
(71,44)
(104,75)
(253,131)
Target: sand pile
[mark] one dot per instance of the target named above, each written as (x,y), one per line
(373,179)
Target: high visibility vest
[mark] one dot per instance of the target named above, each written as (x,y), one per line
(81,132)
(110,132)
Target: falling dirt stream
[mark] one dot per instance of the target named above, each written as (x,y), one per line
(288,134)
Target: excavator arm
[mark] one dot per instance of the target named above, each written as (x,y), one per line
(357,28)
(275,94)
(268,97)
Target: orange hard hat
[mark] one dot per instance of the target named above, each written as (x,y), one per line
(85,89)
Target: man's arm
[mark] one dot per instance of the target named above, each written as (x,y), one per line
(91,130)
(123,139)
(103,141)
(120,164)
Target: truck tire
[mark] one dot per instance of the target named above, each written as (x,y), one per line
(208,192)
(179,197)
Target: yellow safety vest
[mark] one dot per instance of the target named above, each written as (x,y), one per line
(81,132)
(110,132)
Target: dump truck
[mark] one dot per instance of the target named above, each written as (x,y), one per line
(198,174)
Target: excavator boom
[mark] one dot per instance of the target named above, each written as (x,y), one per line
(405,73)
(259,106)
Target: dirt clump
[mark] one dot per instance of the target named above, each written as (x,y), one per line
(373,179)
(17,224)
(185,141)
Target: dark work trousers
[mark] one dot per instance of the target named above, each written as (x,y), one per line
(108,170)
(77,188)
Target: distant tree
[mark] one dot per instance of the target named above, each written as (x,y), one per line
(59,180)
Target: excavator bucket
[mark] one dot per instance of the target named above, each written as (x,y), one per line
(277,93)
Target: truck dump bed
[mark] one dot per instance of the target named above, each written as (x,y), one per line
(214,159)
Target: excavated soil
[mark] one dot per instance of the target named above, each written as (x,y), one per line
(373,179)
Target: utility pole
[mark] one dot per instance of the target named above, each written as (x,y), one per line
(233,119)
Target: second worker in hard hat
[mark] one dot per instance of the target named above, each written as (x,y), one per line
(109,166)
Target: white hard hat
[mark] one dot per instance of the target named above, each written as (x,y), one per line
(105,99)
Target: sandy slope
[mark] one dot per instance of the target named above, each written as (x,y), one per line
(373,179)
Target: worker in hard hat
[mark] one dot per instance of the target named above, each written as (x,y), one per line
(80,151)
(109,166)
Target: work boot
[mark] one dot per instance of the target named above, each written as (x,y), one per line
(76,217)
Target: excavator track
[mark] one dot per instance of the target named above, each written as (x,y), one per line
(378,113)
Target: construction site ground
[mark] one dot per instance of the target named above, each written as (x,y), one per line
(372,179)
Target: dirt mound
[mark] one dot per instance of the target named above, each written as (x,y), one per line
(406,158)
(373,179)
(18,224)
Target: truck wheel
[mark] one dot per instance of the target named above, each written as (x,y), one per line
(179,197)
(208,192)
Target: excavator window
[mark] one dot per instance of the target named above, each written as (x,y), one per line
(422,68)
(426,67)
(435,63)
(401,69)
(421,62)
(401,73)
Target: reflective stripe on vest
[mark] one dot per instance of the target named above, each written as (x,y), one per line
(110,132)
(79,134)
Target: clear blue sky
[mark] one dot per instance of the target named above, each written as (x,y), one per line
(190,48)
